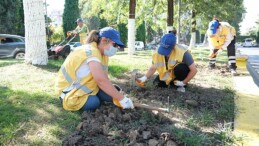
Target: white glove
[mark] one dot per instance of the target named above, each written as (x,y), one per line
(181,89)
(179,83)
(126,103)
(143,79)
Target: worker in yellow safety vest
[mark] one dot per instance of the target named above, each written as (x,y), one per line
(82,82)
(222,36)
(82,30)
(173,63)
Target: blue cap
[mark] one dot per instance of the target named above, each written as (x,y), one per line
(167,44)
(213,25)
(112,34)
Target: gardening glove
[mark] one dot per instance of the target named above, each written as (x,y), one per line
(213,53)
(69,33)
(141,81)
(181,89)
(125,103)
(179,83)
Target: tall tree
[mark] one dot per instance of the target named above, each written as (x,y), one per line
(71,13)
(170,15)
(141,33)
(122,28)
(131,27)
(35,34)
(179,22)
(13,20)
(193,31)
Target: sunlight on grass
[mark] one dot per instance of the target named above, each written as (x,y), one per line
(7,62)
(31,113)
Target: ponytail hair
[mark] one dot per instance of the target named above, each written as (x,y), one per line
(93,37)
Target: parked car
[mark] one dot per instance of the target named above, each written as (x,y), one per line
(73,45)
(12,46)
(248,42)
(139,45)
(150,47)
(238,44)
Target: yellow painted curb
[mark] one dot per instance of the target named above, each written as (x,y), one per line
(247,104)
(241,61)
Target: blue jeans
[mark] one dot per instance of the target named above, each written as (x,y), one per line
(94,101)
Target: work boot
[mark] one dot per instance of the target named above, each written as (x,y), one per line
(233,72)
(211,66)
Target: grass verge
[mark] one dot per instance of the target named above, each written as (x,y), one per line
(31,114)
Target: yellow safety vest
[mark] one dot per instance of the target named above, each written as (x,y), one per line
(82,30)
(79,88)
(220,37)
(175,58)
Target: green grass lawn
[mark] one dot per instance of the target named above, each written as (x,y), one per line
(31,114)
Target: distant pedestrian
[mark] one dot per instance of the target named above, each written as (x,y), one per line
(82,30)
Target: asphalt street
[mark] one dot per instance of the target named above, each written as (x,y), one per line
(252,62)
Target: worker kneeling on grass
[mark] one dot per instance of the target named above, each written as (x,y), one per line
(174,64)
(82,82)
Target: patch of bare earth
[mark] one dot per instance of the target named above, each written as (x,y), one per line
(110,125)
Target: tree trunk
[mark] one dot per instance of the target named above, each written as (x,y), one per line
(35,34)
(131,27)
(179,22)
(193,35)
(170,15)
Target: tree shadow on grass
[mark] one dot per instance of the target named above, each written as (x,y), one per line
(12,113)
(23,116)
(7,62)
(53,65)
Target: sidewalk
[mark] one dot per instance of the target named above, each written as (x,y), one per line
(246,122)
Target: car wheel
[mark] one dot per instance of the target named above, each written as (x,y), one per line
(19,55)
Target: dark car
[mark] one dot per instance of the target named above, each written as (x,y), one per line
(12,46)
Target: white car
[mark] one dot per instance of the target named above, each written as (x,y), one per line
(249,42)
(139,45)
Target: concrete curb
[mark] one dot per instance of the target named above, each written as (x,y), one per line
(253,68)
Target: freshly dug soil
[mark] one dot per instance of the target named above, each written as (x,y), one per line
(110,125)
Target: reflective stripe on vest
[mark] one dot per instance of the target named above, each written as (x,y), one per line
(66,75)
(82,87)
(172,62)
(165,76)
(159,64)
(76,83)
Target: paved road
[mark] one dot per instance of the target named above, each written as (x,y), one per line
(253,61)
(247,103)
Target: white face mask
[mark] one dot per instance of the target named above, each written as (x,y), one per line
(111,51)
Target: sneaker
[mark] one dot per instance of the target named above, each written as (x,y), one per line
(211,66)
(233,72)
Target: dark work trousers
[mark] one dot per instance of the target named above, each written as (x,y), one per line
(231,56)
(180,71)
